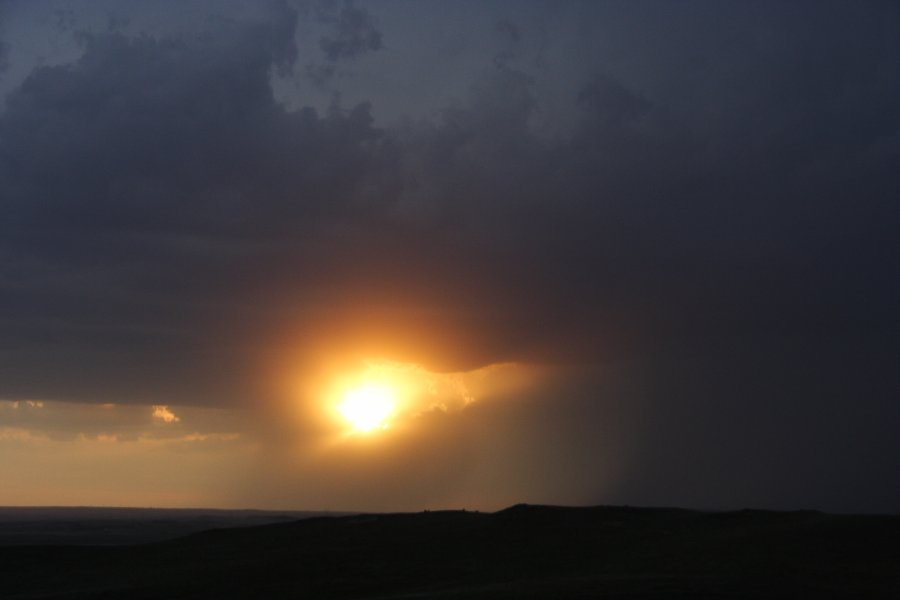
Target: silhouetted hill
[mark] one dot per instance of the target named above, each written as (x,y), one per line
(521,552)
(21,525)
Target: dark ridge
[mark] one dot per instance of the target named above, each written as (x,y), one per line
(115,526)
(524,551)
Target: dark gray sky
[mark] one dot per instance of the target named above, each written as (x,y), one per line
(612,252)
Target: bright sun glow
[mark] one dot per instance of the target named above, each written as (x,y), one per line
(367,407)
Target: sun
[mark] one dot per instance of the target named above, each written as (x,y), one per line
(367,407)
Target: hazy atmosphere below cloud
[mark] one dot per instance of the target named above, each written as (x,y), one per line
(399,255)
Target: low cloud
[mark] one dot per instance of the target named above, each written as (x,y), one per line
(216,437)
(20,435)
(112,471)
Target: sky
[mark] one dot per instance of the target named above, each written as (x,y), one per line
(638,253)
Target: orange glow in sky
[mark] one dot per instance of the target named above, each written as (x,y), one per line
(376,396)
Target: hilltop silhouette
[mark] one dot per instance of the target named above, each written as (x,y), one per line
(521,552)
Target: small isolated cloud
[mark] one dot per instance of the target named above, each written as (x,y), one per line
(164,414)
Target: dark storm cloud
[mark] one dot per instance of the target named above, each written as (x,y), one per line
(508,30)
(730,237)
(148,179)
(4,51)
(138,184)
(351,33)
(508,33)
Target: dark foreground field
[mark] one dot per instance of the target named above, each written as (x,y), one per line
(521,552)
